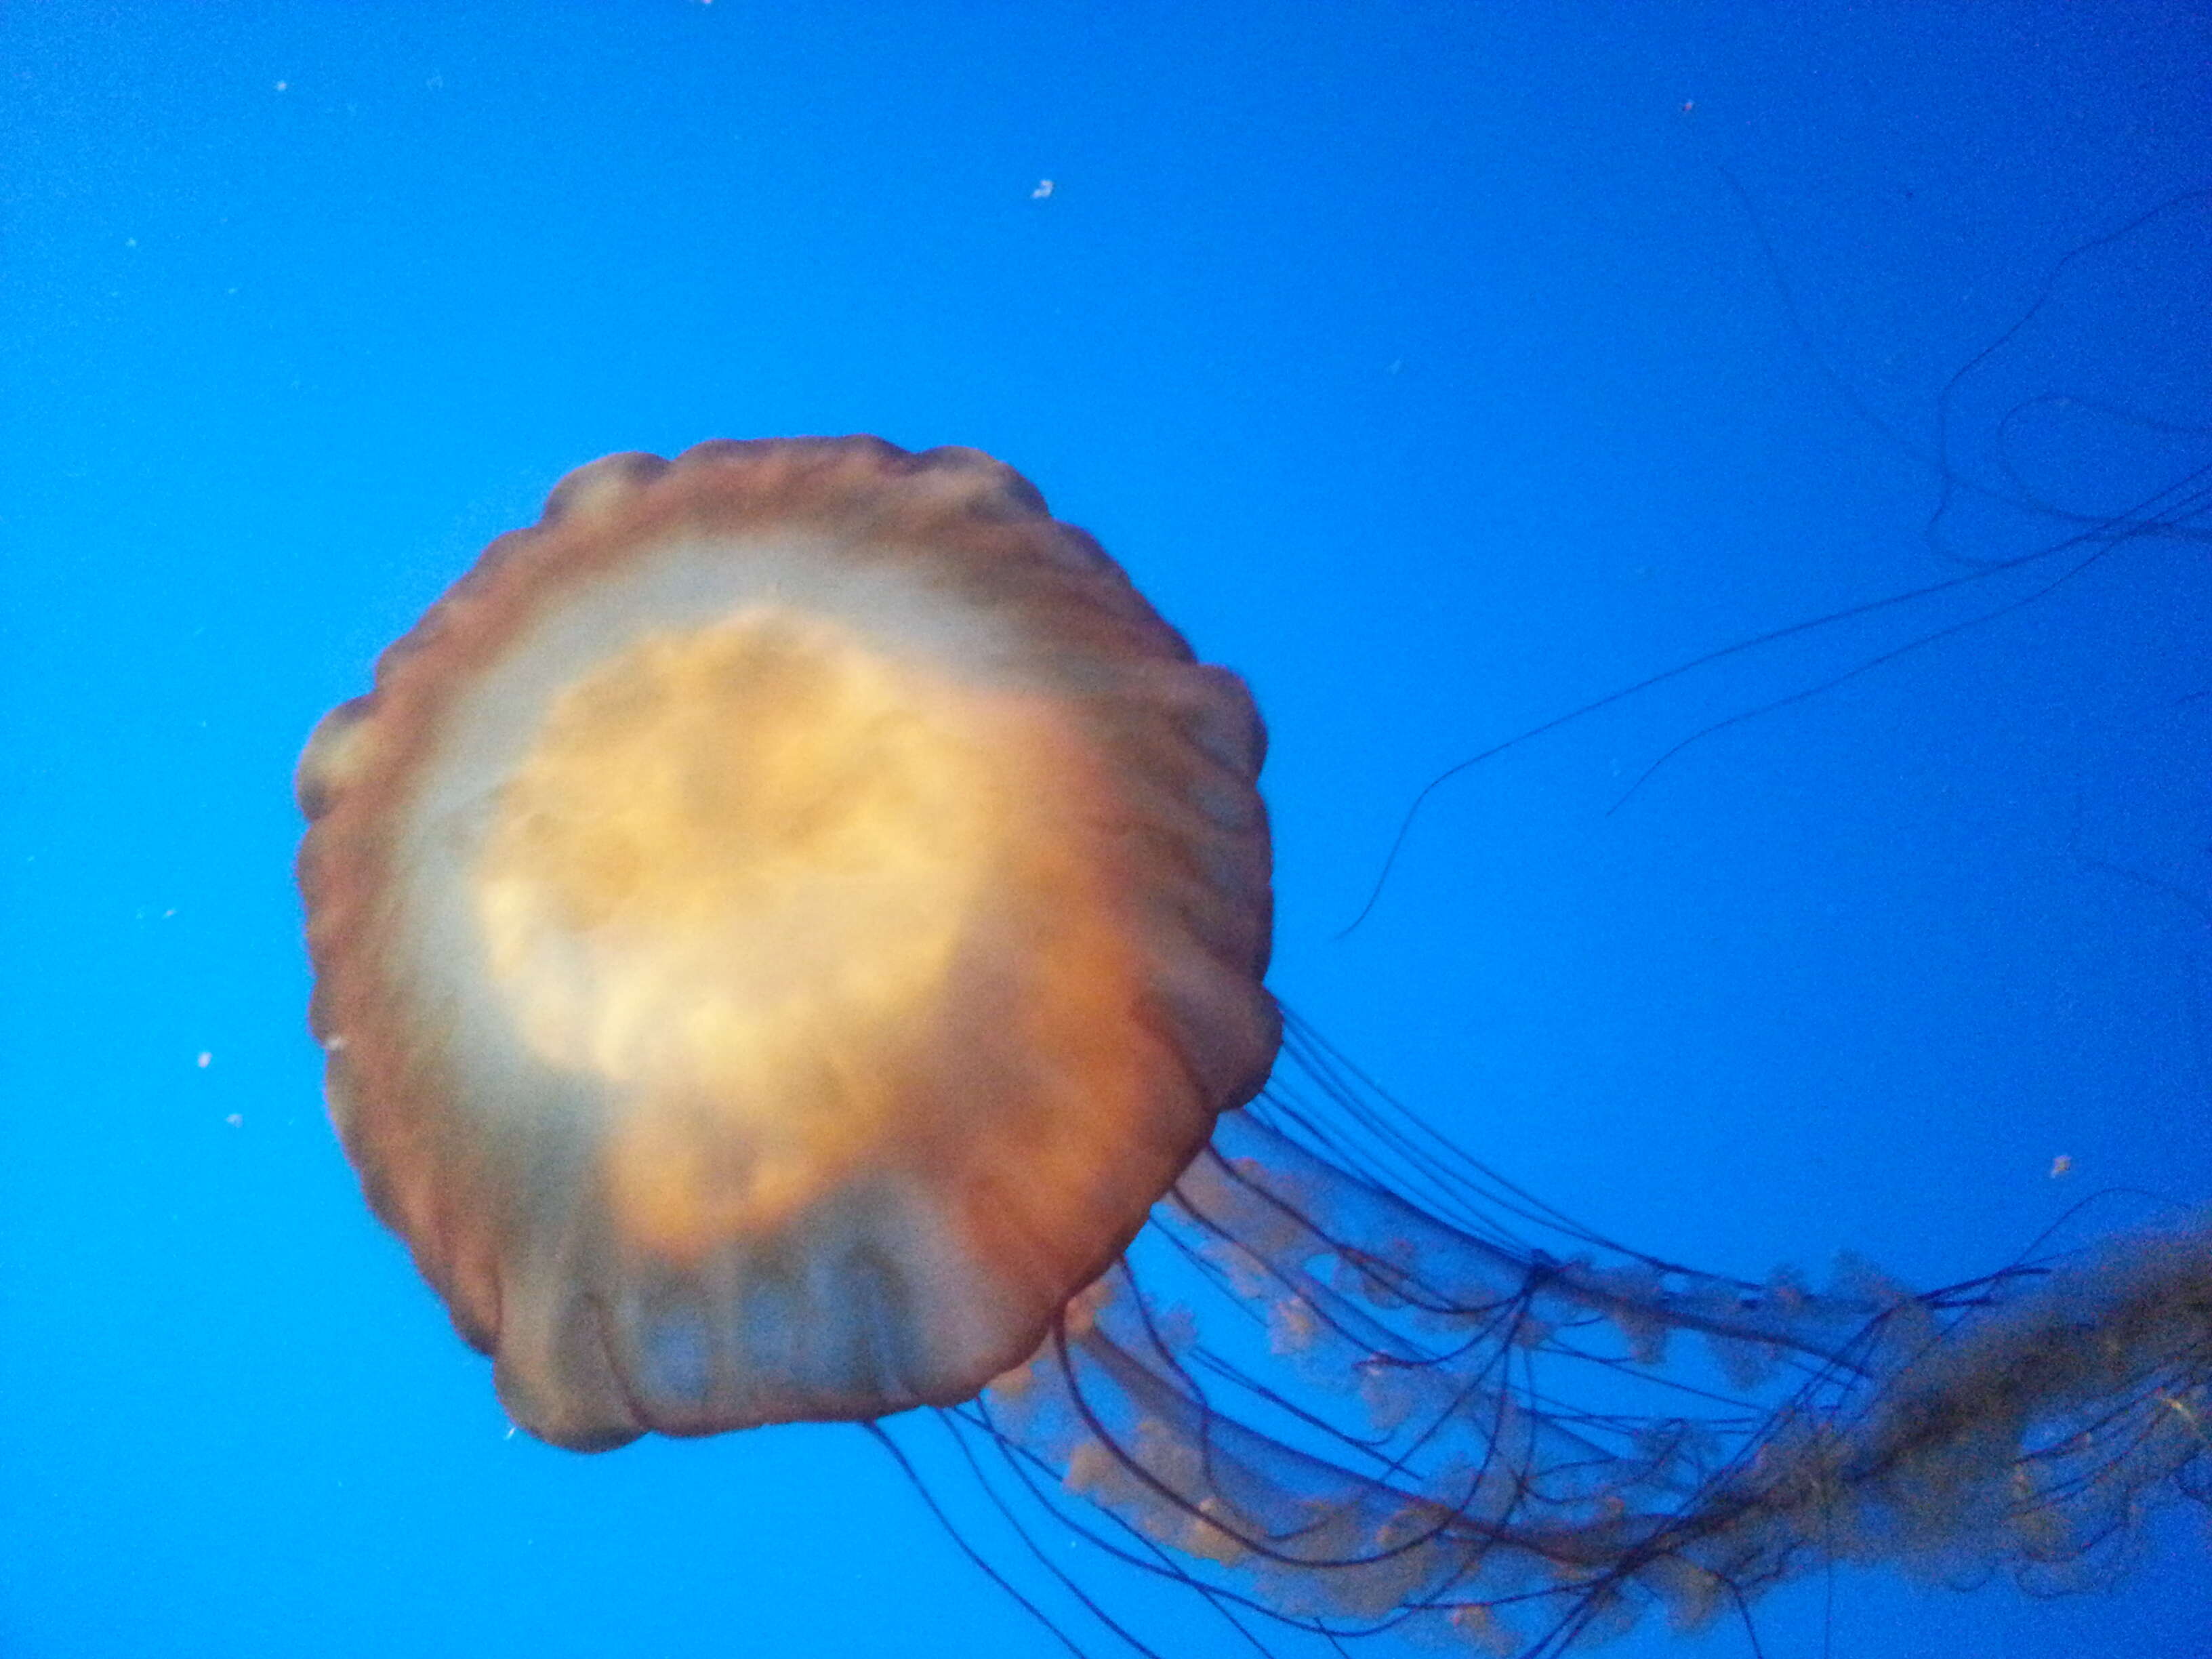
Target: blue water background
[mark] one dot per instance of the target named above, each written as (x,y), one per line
(1419,361)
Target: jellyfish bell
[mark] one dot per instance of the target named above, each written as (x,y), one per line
(779,925)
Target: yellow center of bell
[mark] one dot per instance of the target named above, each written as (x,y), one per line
(729,882)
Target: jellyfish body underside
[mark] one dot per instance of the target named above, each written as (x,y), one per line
(780,923)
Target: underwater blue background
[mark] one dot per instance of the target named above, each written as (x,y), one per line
(1442,367)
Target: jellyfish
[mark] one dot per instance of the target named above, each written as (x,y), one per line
(790,933)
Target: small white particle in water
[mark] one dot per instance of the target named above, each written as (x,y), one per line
(1044,189)
(236,1120)
(205,1059)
